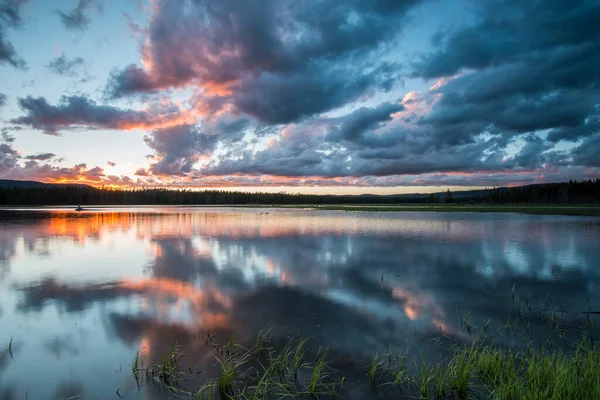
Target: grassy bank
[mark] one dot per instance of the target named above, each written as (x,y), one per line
(573,210)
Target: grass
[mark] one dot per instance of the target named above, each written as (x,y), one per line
(472,369)
(167,373)
(507,374)
(259,372)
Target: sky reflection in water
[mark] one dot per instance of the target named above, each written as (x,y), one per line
(82,293)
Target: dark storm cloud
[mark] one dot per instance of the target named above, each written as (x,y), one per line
(530,154)
(64,66)
(589,128)
(278,99)
(522,67)
(519,72)
(74,111)
(275,60)
(506,80)
(588,153)
(41,156)
(78,18)
(510,31)
(510,115)
(356,124)
(348,146)
(179,148)
(514,81)
(10,17)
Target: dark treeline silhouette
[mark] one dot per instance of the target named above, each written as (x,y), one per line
(570,192)
(86,195)
(559,193)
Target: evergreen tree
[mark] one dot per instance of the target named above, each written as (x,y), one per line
(448,197)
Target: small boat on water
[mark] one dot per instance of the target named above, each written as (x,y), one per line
(79,208)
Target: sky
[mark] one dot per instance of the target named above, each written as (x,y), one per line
(321,96)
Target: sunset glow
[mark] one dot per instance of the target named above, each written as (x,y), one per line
(385,97)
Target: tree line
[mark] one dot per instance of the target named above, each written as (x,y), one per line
(570,192)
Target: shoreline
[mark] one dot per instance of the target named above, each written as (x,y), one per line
(541,209)
(567,210)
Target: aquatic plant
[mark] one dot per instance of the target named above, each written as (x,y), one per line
(9,349)
(474,367)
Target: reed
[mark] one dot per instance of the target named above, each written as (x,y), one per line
(551,368)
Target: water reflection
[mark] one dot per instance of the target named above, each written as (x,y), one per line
(81,293)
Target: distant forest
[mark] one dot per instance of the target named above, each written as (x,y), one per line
(558,193)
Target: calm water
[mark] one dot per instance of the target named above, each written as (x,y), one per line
(82,293)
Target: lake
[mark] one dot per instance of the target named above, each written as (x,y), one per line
(82,293)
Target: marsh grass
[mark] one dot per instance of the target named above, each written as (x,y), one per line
(259,372)
(506,374)
(166,374)
(373,368)
(475,371)
(501,364)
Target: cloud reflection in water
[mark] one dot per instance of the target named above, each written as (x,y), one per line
(112,283)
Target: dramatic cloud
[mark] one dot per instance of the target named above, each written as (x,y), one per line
(278,92)
(64,66)
(355,125)
(78,18)
(522,67)
(275,60)
(573,133)
(494,40)
(588,153)
(80,111)
(10,17)
(178,149)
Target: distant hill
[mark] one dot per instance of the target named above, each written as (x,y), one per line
(9,183)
